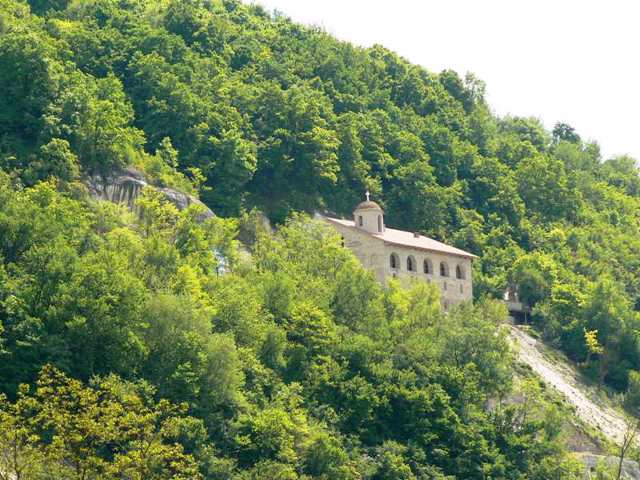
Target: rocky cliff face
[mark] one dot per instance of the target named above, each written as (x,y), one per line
(126,186)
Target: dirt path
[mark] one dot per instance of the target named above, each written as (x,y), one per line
(561,375)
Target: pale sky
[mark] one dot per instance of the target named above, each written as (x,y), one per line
(572,61)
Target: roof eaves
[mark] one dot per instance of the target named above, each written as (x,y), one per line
(433,250)
(400,244)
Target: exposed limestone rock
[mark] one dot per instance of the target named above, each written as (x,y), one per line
(121,187)
(126,186)
(562,376)
(630,469)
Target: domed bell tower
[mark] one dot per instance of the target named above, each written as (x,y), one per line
(369,216)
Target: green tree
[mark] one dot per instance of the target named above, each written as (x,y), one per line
(534,274)
(562,131)
(545,189)
(103,136)
(622,172)
(111,428)
(632,395)
(299,149)
(55,160)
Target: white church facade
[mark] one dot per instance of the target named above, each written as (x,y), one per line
(408,256)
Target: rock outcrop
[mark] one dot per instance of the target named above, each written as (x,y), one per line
(630,469)
(126,186)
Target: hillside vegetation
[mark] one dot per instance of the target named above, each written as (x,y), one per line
(296,364)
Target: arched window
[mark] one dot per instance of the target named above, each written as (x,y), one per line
(444,269)
(427,267)
(379,223)
(360,221)
(411,264)
(394,261)
(459,272)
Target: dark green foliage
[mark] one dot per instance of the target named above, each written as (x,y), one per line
(298,363)
(43,6)
(55,160)
(565,132)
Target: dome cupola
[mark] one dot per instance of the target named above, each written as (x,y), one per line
(369,216)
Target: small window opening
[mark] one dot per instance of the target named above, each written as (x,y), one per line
(411,264)
(444,269)
(427,267)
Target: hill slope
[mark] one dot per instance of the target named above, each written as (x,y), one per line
(296,365)
(256,111)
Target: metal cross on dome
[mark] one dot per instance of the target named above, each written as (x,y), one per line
(367,195)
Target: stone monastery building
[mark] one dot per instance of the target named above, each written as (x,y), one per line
(408,256)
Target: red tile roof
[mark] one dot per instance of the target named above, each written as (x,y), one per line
(407,239)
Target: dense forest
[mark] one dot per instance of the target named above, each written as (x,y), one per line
(123,354)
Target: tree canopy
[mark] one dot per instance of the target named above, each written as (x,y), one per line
(296,364)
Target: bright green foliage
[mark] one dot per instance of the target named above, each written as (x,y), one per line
(66,430)
(632,397)
(544,187)
(622,172)
(55,160)
(297,363)
(535,275)
(591,340)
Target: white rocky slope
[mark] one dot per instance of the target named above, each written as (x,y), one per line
(564,378)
